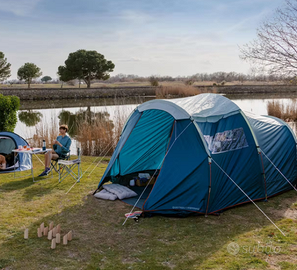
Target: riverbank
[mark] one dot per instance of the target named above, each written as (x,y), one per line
(144,91)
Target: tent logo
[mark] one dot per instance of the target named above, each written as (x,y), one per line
(233,248)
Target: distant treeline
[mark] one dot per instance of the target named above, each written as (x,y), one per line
(217,77)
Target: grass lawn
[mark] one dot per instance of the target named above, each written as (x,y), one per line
(101,242)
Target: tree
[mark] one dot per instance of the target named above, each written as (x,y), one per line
(8,109)
(85,65)
(28,72)
(275,48)
(46,79)
(4,67)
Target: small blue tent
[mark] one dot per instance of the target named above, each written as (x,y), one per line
(8,142)
(195,144)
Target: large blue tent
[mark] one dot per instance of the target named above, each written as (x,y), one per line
(197,147)
(8,142)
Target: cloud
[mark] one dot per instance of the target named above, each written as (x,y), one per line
(135,17)
(131,59)
(18,7)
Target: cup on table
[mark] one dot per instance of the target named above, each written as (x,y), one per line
(20,147)
(25,147)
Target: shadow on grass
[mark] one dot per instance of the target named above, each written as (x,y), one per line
(101,242)
(16,184)
(38,191)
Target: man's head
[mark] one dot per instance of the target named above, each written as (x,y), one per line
(63,129)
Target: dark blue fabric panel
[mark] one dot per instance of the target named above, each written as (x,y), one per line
(138,190)
(113,165)
(242,165)
(279,145)
(147,144)
(183,181)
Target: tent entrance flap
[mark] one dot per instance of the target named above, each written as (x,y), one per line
(7,144)
(146,146)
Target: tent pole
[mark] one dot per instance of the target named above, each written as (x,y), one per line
(209,187)
(264,175)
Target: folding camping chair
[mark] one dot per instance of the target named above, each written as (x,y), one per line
(54,162)
(68,167)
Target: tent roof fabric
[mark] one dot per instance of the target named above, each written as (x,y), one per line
(268,119)
(165,105)
(202,106)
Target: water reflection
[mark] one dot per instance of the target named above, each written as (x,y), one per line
(30,118)
(94,131)
(82,117)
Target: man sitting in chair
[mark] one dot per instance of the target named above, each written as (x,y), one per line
(61,148)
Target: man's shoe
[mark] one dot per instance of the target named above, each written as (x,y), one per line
(47,171)
(44,173)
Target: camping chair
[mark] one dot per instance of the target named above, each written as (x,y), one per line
(54,162)
(68,167)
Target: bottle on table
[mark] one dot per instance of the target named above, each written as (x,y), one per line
(43,145)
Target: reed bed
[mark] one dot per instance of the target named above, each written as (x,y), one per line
(100,136)
(45,130)
(286,112)
(180,91)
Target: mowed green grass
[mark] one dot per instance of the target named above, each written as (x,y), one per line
(101,242)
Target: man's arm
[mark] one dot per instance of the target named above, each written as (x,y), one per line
(67,145)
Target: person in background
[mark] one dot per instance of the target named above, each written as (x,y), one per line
(2,162)
(61,148)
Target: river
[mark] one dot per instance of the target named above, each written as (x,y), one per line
(36,115)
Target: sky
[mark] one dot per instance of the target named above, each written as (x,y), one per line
(141,37)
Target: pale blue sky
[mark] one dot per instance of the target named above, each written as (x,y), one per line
(142,37)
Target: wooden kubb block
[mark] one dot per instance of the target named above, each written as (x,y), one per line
(58,238)
(51,225)
(45,231)
(69,236)
(42,227)
(65,239)
(50,235)
(54,231)
(53,245)
(26,234)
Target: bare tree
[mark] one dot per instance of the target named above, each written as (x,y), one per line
(275,48)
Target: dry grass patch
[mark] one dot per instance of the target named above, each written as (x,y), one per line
(287,112)
(180,91)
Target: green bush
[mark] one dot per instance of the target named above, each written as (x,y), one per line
(9,106)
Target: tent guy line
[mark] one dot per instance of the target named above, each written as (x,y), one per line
(278,170)
(112,144)
(248,197)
